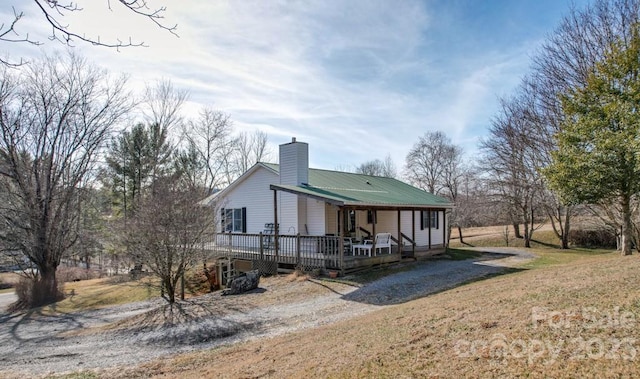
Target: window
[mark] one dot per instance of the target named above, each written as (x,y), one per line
(433,220)
(234,220)
(429,219)
(371,216)
(350,221)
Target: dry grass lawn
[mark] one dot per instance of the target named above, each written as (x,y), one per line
(574,317)
(98,293)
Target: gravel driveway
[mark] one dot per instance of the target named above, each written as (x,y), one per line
(34,344)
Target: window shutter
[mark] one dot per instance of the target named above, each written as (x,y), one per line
(436,219)
(222,221)
(244,219)
(421,220)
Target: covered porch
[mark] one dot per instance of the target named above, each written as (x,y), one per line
(271,253)
(336,232)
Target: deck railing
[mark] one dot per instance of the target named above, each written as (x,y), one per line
(298,250)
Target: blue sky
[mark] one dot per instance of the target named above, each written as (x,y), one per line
(357,80)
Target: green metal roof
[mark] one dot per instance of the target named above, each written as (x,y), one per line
(349,189)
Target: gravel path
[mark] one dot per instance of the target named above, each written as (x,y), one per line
(34,344)
(6,299)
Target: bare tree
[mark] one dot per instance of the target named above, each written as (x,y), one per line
(162,104)
(250,148)
(211,135)
(168,230)
(535,123)
(425,161)
(55,116)
(512,163)
(377,167)
(455,179)
(161,109)
(53,13)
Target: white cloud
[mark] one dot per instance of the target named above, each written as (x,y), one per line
(355,79)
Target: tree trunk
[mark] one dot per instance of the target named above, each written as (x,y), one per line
(566,229)
(45,288)
(460,234)
(627,227)
(527,230)
(169,291)
(527,238)
(182,286)
(516,230)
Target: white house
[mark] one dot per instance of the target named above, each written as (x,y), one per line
(325,208)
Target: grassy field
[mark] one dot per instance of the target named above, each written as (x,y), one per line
(98,293)
(567,314)
(103,292)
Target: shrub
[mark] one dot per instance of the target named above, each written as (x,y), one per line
(71,274)
(120,278)
(32,293)
(196,282)
(592,238)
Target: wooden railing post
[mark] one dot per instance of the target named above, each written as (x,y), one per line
(261,247)
(276,228)
(298,249)
(341,255)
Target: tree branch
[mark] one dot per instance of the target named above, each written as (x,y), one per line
(53,11)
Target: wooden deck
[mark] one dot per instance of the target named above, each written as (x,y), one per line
(306,252)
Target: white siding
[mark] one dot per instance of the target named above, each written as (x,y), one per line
(254,194)
(422,236)
(288,213)
(302,215)
(331,219)
(388,223)
(316,217)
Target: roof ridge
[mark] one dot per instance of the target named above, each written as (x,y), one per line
(337,171)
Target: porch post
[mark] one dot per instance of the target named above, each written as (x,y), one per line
(340,242)
(413,231)
(276,228)
(261,246)
(444,228)
(429,226)
(399,234)
(374,218)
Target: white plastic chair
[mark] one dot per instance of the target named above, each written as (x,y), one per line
(382,241)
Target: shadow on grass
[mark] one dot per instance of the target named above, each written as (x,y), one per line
(320,282)
(198,320)
(41,324)
(546,244)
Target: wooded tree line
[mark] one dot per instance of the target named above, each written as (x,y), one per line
(568,135)
(77,176)
(565,140)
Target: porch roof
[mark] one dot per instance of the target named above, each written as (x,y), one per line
(357,190)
